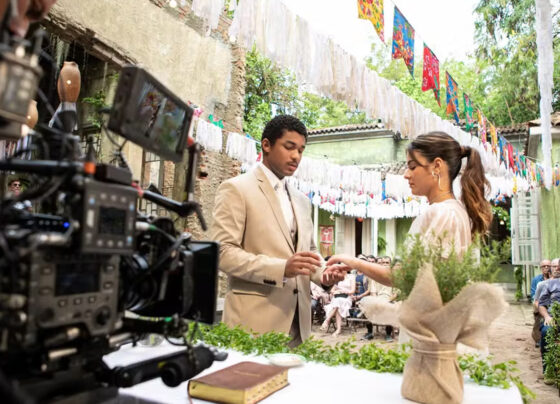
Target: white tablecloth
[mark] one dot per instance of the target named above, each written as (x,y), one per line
(310,383)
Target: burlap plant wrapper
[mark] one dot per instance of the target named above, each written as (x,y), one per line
(432,374)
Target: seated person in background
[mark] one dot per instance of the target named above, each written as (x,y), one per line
(536,290)
(340,304)
(318,295)
(362,286)
(15,186)
(549,295)
(378,307)
(545,268)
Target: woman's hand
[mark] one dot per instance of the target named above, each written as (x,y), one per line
(346,262)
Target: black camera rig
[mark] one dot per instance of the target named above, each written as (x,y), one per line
(84,272)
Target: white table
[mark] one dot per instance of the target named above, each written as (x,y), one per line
(310,383)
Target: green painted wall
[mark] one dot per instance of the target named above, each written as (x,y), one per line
(376,150)
(381,226)
(403,225)
(550,213)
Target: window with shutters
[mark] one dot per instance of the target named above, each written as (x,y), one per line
(525,229)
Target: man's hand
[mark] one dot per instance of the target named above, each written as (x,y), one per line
(334,274)
(548,321)
(302,263)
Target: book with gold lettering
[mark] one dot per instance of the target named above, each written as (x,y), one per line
(242,383)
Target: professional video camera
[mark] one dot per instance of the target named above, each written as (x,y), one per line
(88,273)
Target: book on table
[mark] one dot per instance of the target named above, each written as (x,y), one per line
(242,383)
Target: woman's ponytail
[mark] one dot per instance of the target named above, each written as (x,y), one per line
(474,187)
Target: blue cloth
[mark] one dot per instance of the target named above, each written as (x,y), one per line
(534,284)
(361,283)
(550,294)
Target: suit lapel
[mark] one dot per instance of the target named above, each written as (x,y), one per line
(272,198)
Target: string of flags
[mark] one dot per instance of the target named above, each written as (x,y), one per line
(403,47)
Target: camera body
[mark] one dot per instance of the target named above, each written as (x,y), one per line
(81,272)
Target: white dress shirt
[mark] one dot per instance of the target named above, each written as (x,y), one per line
(279,186)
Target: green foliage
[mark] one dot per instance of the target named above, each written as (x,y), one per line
(271,90)
(98,103)
(452,272)
(501,374)
(552,357)
(506,55)
(369,356)
(502,215)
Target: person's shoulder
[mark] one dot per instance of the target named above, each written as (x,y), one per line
(241,180)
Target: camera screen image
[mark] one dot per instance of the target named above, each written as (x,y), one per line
(73,278)
(159,118)
(112,221)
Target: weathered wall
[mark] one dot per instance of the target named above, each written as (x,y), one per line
(173,45)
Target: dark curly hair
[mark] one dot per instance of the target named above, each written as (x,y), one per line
(276,127)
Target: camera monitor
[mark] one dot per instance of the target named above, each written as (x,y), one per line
(148,114)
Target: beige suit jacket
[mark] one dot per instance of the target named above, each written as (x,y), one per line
(255,244)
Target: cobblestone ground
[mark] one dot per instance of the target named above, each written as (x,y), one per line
(511,340)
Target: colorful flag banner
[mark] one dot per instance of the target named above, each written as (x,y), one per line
(430,73)
(502,143)
(452,98)
(493,138)
(373,10)
(511,162)
(469,112)
(482,127)
(403,40)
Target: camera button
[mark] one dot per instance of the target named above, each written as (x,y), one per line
(78,300)
(45,291)
(91,299)
(46,271)
(62,303)
(109,269)
(107,285)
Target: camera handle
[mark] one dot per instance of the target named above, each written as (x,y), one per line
(173,369)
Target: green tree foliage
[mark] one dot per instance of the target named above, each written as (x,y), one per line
(506,57)
(271,90)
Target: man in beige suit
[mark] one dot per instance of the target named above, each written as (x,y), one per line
(266,240)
